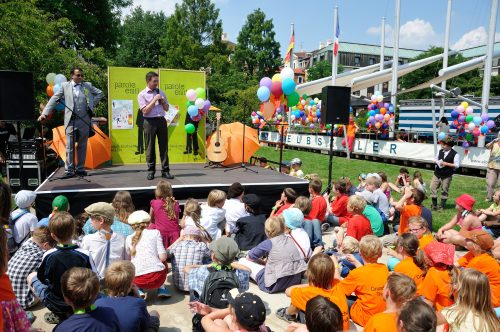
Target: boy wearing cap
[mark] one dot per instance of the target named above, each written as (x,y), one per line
(60,203)
(447,161)
(105,246)
(22,221)
(250,230)
(479,243)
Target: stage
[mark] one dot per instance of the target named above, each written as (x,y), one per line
(191,180)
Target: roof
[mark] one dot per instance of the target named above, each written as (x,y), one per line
(478,50)
(347,47)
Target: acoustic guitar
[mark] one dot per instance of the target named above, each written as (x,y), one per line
(216,151)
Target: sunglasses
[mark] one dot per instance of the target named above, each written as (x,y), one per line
(79,75)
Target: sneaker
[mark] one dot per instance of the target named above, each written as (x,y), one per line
(324,227)
(163,293)
(281,313)
(150,176)
(68,175)
(141,292)
(51,318)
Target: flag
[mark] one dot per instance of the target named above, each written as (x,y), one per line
(337,34)
(290,48)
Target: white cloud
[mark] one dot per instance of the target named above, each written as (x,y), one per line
(418,34)
(475,37)
(375,32)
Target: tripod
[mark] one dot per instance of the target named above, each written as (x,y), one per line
(243,164)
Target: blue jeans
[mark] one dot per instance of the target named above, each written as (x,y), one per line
(333,220)
(40,289)
(313,229)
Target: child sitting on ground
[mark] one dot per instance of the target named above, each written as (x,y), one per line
(350,246)
(296,163)
(366,281)
(105,246)
(131,311)
(321,315)
(80,221)
(212,213)
(145,247)
(491,216)
(323,276)
(164,213)
(46,282)
(191,218)
(27,260)
(22,222)
(59,203)
(80,287)
(358,225)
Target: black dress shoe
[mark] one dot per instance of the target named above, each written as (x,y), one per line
(67,175)
(166,175)
(187,152)
(195,152)
(81,173)
(151,176)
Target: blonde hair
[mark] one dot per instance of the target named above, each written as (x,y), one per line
(80,286)
(119,277)
(373,180)
(164,192)
(357,204)
(350,245)
(123,205)
(474,296)
(138,228)
(421,222)
(303,204)
(274,226)
(42,235)
(216,197)
(370,247)
(192,209)
(401,287)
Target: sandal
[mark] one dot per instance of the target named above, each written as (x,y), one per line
(281,313)
(51,318)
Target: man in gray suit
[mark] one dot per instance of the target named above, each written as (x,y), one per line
(81,97)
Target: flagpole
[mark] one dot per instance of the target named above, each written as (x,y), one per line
(291,50)
(334,57)
(485,98)
(445,53)
(395,63)
(382,51)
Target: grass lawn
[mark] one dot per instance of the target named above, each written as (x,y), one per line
(318,163)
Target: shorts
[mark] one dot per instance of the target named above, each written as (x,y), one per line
(39,288)
(153,280)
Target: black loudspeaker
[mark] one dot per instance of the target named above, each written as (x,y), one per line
(17,102)
(335,104)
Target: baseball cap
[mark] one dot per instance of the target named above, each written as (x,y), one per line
(480,237)
(251,200)
(25,198)
(101,209)
(294,218)
(138,217)
(61,203)
(225,250)
(249,309)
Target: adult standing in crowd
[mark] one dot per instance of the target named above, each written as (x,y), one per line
(6,130)
(153,103)
(447,161)
(493,172)
(80,99)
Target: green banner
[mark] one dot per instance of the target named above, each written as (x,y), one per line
(124,84)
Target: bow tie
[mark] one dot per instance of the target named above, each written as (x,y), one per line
(78,84)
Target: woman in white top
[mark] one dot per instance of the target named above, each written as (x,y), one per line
(145,247)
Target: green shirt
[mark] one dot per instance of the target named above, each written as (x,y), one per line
(375,220)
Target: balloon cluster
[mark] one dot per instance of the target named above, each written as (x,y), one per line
(469,127)
(54,82)
(307,112)
(380,114)
(275,94)
(197,106)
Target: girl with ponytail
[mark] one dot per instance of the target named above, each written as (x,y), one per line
(191,218)
(164,213)
(413,259)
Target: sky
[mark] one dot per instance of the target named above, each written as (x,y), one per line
(422,22)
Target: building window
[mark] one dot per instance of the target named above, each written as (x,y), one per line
(357,60)
(370,91)
(300,79)
(371,61)
(400,62)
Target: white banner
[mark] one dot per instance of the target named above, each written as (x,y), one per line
(418,152)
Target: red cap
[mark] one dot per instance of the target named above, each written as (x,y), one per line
(466,201)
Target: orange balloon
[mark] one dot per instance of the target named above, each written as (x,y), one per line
(383,111)
(50,90)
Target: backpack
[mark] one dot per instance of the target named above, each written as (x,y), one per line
(12,245)
(215,292)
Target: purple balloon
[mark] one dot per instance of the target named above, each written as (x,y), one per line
(454,114)
(371,118)
(386,105)
(266,81)
(485,117)
(490,124)
(461,119)
(465,145)
(207,105)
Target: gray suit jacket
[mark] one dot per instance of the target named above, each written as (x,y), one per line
(92,93)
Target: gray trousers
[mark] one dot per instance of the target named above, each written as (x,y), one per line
(81,134)
(156,127)
(443,183)
(492,180)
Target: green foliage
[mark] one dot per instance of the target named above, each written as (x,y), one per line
(140,39)
(322,69)
(257,52)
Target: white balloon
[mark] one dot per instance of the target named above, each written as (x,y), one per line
(472,126)
(287,72)
(199,103)
(60,78)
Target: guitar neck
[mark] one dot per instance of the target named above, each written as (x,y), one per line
(217,130)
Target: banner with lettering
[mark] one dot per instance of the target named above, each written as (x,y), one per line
(124,84)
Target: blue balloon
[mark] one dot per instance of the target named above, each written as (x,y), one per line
(350,109)
(60,106)
(371,113)
(477,120)
(441,136)
(318,113)
(288,87)
(311,102)
(391,108)
(454,114)
(263,93)
(484,129)
(57,87)
(192,110)
(302,113)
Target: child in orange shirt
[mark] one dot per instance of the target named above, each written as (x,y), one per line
(408,206)
(412,259)
(366,282)
(398,290)
(419,227)
(323,275)
(479,257)
(416,315)
(436,287)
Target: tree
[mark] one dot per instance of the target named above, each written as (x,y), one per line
(322,69)
(97,20)
(257,53)
(141,33)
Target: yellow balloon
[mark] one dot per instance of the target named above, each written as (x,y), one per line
(276,78)
(465,104)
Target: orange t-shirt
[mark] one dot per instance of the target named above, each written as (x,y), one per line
(425,240)
(488,265)
(384,322)
(301,295)
(408,267)
(436,287)
(351,129)
(407,211)
(367,282)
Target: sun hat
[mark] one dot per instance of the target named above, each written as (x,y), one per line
(101,209)
(61,203)
(249,309)
(225,250)
(480,237)
(466,201)
(439,252)
(138,217)
(294,218)
(25,198)
(296,161)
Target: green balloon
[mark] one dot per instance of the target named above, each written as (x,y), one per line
(293,99)
(189,128)
(469,137)
(200,93)
(305,96)
(469,118)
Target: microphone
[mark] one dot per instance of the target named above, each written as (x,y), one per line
(157,90)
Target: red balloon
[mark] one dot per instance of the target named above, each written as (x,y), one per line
(50,90)
(276,89)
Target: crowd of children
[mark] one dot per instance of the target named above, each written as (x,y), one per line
(93,272)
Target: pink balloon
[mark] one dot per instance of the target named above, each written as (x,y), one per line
(276,89)
(460,109)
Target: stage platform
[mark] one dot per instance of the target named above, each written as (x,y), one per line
(191,180)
